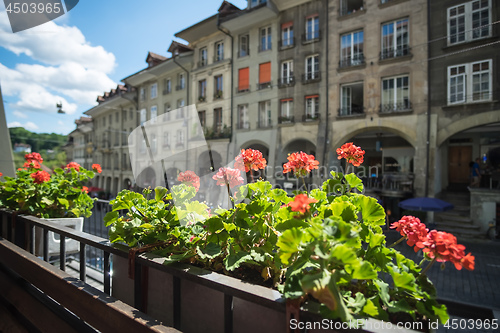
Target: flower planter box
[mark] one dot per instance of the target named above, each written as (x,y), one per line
(201,300)
(72,246)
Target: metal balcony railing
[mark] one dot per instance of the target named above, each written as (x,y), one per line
(311,77)
(264,124)
(356,60)
(264,85)
(265,47)
(243,89)
(244,125)
(311,117)
(311,36)
(286,119)
(351,111)
(286,81)
(202,63)
(180,87)
(395,107)
(389,53)
(286,43)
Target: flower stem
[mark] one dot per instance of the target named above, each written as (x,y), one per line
(397,242)
(428,266)
(304,182)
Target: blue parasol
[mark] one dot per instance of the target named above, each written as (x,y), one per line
(426,204)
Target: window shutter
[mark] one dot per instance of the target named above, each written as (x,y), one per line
(244,79)
(265,72)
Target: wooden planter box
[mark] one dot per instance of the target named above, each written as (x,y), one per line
(202,300)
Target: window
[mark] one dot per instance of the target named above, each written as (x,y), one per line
(181,79)
(143,116)
(218,86)
(167,86)
(287,72)
(202,90)
(287,39)
(219,51)
(351,99)
(348,7)
(243,122)
(154,143)
(469,21)
(286,115)
(166,139)
(395,39)
(243,79)
(142,94)
(351,49)
(154,90)
(166,111)
(154,114)
(255,3)
(264,114)
(203,118)
(104,121)
(180,109)
(470,82)
(131,113)
(117,117)
(203,57)
(395,94)
(264,75)
(312,27)
(312,107)
(244,46)
(312,68)
(180,138)
(265,39)
(218,120)
(124,115)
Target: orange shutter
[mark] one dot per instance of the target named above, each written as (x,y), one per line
(312,96)
(244,79)
(287,25)
(265,72)
(287,100)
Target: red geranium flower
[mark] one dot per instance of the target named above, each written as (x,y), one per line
(33,157)
(1,174)
(85,189)
(443,246)
(96,168)
(353,154)
(251,159)
(300,164)
(73,165)
(228,176)
(40,177)
(31,164)
(189,178)
(301,203)
(411,228)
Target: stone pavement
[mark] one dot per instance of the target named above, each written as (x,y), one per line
(480,287)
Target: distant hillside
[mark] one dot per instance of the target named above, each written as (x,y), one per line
(38,141)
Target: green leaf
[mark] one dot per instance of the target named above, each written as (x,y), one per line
(233,261)
(364,272)
(383,291)
(160,192)
(356,304)
(289,224)
(371,211)
(110,218)
(288,243)
(403,280)
(63,202)
(441,312)
(211,251)
(370,308)
(47,201)
(354,182)
(376,240)
(344,254)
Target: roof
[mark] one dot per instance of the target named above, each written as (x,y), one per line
(110,94)
(179,47)
(154,59)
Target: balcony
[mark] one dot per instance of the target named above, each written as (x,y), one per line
(311,77)
(167,91)
(264,85)
(311,37)
(404,106)
(390,53)
(244,125)
(243,89)
(218,94)
(264,124)
(202,99)
(243,53)
(351,111)
(310,117)
(202,63)
(287,81)
(286,120)
(348,7)
(286,43)
(356,60)
(180,87)
(218,59)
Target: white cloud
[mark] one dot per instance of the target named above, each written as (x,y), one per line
(29,125)
(70,69)
(55,44)
(20,114)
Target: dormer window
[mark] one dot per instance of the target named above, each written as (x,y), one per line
(255,3)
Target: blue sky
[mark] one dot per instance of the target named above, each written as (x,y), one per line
(84,53)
